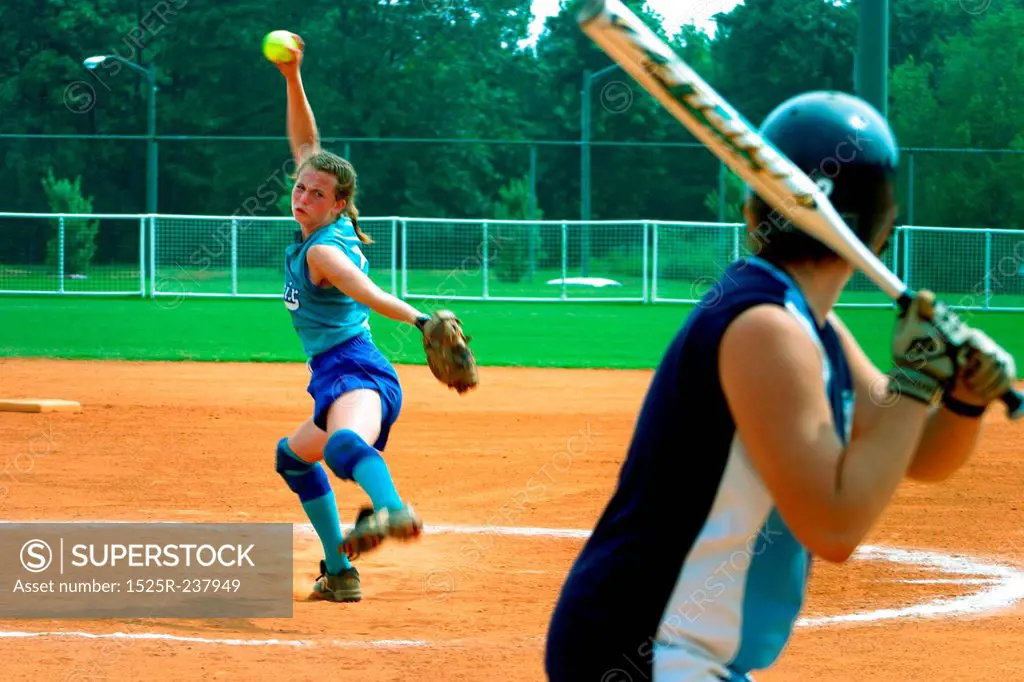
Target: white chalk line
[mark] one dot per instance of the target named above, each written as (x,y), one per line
(375,644)
(1003,587)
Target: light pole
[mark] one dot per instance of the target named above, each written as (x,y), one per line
(585,134)
(871,60)
(149,73)
(588,79)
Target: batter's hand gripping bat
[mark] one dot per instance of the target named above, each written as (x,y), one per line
(655,66)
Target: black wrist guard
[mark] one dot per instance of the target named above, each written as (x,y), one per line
(961,408)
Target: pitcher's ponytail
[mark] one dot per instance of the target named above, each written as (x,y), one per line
(353,215)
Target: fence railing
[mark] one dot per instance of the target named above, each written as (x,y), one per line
(179,256)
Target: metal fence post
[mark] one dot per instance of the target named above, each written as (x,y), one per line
(60,255)
(484,257)
(654,263)
(394,257)
(565,258)
(907,275)
(234,257)
(897,233)
(988,268)
(142,257)
(405,259)
(532,236)
(152,256)
(647,232)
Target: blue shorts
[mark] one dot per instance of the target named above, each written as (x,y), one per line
(356,363)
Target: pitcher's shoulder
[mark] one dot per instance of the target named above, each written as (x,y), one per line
(341,230)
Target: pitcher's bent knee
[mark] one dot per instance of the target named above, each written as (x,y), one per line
(344,450)
(308,481)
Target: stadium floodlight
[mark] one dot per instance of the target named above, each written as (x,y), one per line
(149,73)
(92,62)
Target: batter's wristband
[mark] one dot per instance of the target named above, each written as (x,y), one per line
(919,387)
(961,408)
(421,321)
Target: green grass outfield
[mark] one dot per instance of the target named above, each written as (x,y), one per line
(578,335)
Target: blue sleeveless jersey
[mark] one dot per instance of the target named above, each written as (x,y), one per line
(324,317)
(690,560)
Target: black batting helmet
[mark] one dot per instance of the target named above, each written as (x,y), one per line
(848,149)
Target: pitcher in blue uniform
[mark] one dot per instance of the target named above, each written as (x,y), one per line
(356,392)
(767,436)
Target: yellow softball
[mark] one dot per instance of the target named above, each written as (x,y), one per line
(276,44)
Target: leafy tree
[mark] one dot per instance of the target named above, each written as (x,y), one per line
(734,188)
(766,51)
(517,249)
(460,70)
(956,103)
(79,234)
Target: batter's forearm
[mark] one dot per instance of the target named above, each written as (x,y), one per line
(870,471)
(946,445)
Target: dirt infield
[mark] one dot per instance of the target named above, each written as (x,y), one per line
(495,475)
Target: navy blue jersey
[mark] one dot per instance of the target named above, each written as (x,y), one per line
(690,560)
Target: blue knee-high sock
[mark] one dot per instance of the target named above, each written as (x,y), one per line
(310,483)
(352,458)
(323,514)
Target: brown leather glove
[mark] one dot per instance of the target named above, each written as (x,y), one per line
(447,350)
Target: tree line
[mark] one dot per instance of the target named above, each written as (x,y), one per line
(460,69)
